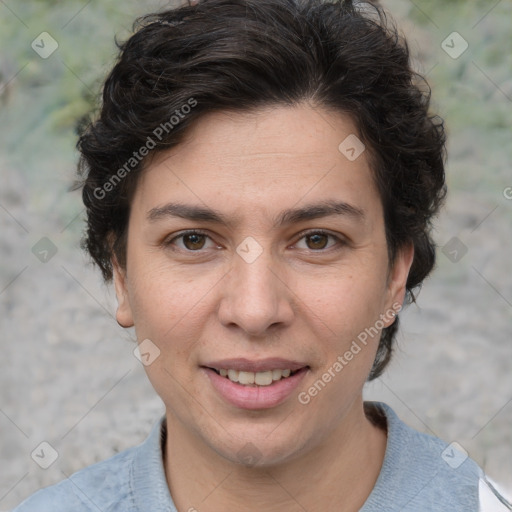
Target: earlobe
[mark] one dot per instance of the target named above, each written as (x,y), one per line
(124,315)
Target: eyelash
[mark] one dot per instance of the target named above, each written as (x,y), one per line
(339,242)
(185,233)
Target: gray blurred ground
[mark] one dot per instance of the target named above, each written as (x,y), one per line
(68,375)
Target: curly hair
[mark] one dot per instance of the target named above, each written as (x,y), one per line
(240,55)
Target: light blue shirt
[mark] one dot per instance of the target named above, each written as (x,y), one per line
(420,473)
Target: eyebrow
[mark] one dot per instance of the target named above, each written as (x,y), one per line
(290,216)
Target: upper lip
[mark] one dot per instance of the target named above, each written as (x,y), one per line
(260,365)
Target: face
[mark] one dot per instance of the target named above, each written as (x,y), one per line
(257,249)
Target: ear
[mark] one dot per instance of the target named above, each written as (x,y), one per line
(398,274)
(124,315)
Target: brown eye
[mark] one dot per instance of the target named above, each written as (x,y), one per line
(194,241)
(317,241)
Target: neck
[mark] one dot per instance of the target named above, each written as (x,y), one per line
(337,473)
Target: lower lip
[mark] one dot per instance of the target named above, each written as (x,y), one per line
(255,397)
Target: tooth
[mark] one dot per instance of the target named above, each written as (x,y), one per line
(259,378)
(263,378)
(246,377)
(277,374)
(233,375)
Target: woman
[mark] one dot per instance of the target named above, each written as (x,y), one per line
(260,185)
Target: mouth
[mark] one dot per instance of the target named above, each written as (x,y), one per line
(254,379)
(253,385)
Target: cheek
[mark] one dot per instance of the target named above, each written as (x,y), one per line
(170,311)
(342,311)
(162,300)
(346,313)
(346,303)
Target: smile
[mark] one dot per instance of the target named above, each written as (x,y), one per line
(262,384)
(265,378)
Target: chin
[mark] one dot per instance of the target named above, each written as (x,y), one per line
(260,450)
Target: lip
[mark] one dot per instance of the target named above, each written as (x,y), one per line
(263,365)
(254,397)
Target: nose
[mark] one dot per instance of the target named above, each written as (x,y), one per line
(256,297)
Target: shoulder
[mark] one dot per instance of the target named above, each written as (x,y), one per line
(131,481)
(421,472)
(102,486)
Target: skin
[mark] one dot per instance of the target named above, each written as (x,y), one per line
(303,298)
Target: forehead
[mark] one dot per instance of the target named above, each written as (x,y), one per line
(263,160)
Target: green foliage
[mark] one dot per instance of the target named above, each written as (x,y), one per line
(41,99)
(40,107)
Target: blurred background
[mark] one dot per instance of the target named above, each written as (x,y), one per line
(68,374)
